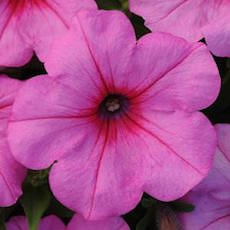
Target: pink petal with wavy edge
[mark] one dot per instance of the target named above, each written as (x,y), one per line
(167,79)
(217,35)
(47,223)
(107,171)
(105,48)
(178,159)
(97,154)
(11,173)
(211,197)
(28,26)
(191,19)
(115,223)
(55,111)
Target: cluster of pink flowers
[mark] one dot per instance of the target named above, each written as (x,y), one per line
(115,117)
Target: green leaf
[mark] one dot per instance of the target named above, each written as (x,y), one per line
(2,224)
(35,201)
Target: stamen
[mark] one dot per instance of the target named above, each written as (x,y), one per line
(112,105)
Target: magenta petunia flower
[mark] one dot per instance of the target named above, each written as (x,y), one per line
(191,19)
(212,196)
(11,173)
(31,25)
(114,223)
(120,117)
(47,223)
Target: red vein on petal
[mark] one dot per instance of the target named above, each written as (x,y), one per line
(110,69)
(99,166)
(8,19)
(149,86)
(134,132)
(164,144)
(92,56)
(5,106)
(151,122)
(53,117)
(213,221)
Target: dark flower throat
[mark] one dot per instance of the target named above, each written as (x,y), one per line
(113,104)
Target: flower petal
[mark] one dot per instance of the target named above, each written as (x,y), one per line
(52,108)
(193,15)
(183,76)
(47,223)
(97,42)
(211,197)
(28,26)
(14,50)
(218,181)
(10,180)
(223,133)
(114,223)
(217,35)
(51,223)
(55,18)
(17,223)
(209,213)
(101,177)
(177,148)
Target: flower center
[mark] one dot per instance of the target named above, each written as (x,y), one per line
(113,104)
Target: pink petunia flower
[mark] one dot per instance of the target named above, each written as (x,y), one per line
(11,173)
(114,223)
(120,117)
(47,223)
(191,19)
(31,25)
(212,196)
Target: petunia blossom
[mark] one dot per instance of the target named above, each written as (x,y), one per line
(212,196)
(28,26)
(47,223)
(191,19)
(118,116)
(11,172)
(114,223)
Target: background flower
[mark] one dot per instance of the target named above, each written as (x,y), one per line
(120,117)
(28,26)
(11,172)
(47,223)
(191,19)
(115,223)
(212,196)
